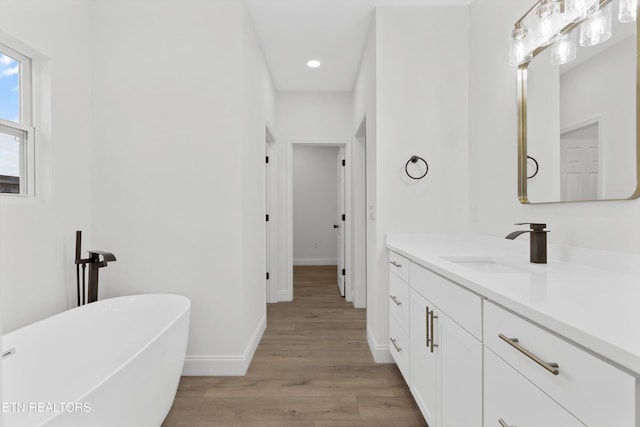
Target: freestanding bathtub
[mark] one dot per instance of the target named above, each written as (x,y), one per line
(112,363)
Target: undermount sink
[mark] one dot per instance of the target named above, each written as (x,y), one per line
(484,264)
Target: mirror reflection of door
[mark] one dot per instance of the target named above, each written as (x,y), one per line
(580,164)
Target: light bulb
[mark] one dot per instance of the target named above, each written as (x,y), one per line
(597,28)
(549,22)
(628,11)
(577,10)
(564,50)
(520,47)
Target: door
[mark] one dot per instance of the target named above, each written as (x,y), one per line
(341,221)
(423,361)
(579,169)
(460,379)
(267,226)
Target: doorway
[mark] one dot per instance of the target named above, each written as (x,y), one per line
(318,205)
(339,229)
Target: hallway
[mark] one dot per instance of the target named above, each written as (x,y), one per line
(312,368)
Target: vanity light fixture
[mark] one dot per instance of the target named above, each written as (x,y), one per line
(628,11)
(549,22)
(313,63)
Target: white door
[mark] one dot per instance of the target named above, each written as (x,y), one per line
(460,355)
(341,221)
(423,360)
(267,231)
(579,169)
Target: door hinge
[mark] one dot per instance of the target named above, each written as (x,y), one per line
(267,216)
(344,218)
(344,162)
(344,272)
(267,159)
(267,275)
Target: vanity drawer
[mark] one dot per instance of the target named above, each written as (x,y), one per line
(399,348)
(399,301)
(596,392)
(399,266)
(511,398)
(458,303)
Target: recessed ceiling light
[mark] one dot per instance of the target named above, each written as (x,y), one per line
(313,63)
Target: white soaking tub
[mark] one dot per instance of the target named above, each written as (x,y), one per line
(112,363)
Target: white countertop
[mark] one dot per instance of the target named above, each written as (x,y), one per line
(595,308)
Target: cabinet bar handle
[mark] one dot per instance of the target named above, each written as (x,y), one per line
(395,264)
(394,299)
(398,349)
(502,423)
(433,337)
(513,342)
(426,329)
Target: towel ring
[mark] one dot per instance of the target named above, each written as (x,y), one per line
(533,163)
(415,159)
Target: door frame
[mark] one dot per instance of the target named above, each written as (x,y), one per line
(270,237)
(317,142)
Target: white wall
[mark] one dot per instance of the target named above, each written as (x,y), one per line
(493,149)
(315,205)
(421,109)
(180,111)
(314,115)
(364,110)
(37,237)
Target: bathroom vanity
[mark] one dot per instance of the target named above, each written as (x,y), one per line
(485,338)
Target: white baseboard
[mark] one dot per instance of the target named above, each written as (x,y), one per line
(380,352)
(315,261)
(206,365)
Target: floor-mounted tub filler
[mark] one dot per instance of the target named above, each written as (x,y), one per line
(115,362)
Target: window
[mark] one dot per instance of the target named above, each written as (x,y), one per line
(16,124)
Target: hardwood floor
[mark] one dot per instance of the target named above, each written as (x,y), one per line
(312,368)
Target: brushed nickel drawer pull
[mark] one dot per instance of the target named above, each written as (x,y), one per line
(398,349)
(513,342)
(502,423)
(433,337)
(395,264)
(426,329)
(394,299)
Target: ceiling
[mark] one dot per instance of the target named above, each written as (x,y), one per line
(291,32)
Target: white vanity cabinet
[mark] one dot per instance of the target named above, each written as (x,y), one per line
(446,350)
(399,313)
(551,346)
(444,327)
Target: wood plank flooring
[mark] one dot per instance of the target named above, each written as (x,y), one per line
(312,368)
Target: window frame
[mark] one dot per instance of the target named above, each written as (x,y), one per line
(25,127)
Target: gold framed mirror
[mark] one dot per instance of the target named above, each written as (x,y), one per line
(577,108)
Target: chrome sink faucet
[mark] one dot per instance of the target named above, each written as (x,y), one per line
(537,241)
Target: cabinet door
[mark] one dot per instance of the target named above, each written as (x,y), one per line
(460,355)
(423,361)
(512,400)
